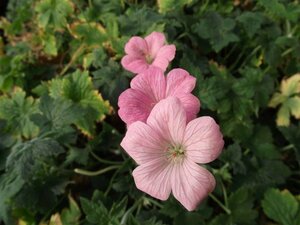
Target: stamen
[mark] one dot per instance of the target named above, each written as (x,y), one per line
(175,153)
(149,59)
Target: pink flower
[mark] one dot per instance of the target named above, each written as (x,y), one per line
(142,53)
(167,151)
(150,87)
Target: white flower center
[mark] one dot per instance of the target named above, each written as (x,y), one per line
(149,58)
(175,153)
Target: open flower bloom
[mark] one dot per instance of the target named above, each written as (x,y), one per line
(151,51)
(150,87)
(167,151)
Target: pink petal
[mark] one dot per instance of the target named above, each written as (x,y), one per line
(203,140)
(178,81)
(164,56)
(151,82)
(191,183)
(142,143)
(134,106)
(155,41)
(134,64)
(168,119)
(153,178)
(136,47)
(191,105)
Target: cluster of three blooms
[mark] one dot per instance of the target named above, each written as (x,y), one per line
(164,137)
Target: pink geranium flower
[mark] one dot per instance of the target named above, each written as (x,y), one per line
(150,87)
(151,51)
(167,150)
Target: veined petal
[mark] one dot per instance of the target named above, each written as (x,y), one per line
(143,144)
(191,183)
(179,81)
(136,46)
(203,140)
(134,106)
(190,103)
(164,56)
(153,178)
(168,119)
(151,82)
(134,64)
(155,41)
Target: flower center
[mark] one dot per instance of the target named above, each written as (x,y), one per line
(175,153)
(149,59)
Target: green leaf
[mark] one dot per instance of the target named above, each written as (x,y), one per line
(292,134)
(251,22)
(290,104)
(93,34)
(71,215)
(31,158)
(56,114)
(50,45)
(78,88)
(53,13)
(17,110)
(217,30)
(282,206)
(241,206)
(170,5)
(10,185)
(96,212)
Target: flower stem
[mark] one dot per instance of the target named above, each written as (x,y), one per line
(154,202)
(73,59)
(220,204)
(95,173)
(127,213)
(104,160)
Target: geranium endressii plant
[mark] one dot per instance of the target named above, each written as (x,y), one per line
(167,150)
(144,53)
(150,87)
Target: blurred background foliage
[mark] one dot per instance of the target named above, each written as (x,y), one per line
(60,78)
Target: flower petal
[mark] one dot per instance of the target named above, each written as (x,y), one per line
(151,82)
(164,56)
(168,119)
(191,183)
(203,140)
(134,106)
(178,81)
(134,64)
(136,46)
(153,178)
(142,143)
(190,103)
(155,41)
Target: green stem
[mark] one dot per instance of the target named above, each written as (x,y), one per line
(95,173)
(288,147)
(220,204)
(104,160)
(135,205)
(73,59)
(154,202)
(225,194)
(111,182)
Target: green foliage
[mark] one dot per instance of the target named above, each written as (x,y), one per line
(77,88)
(217,30)
(169,5)
(282,207)
(60,79)
(53,13)
(97,213)
(17,109)
(289,100)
